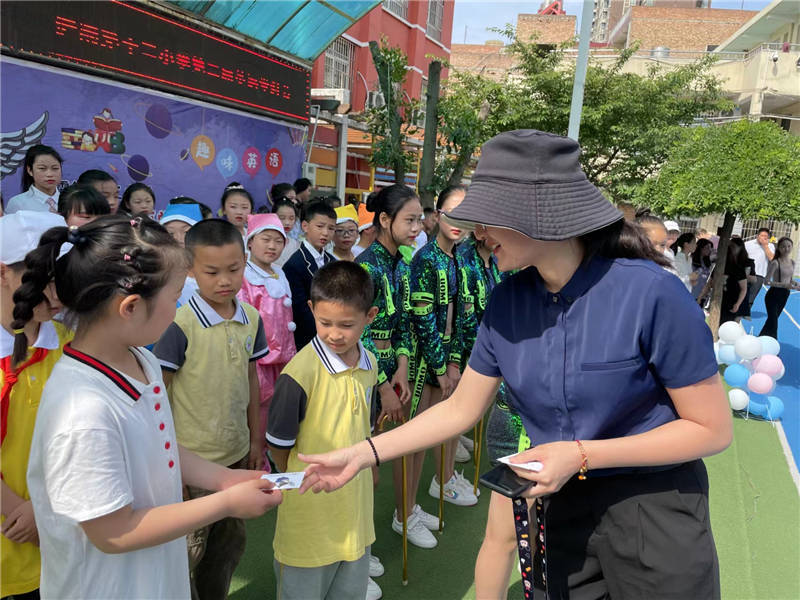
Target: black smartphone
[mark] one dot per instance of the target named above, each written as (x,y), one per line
(502,479)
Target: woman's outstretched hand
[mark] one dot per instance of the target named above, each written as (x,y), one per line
(560,461)
(330,471)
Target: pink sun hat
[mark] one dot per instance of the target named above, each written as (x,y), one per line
(263,222)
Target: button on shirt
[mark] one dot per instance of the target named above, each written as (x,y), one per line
(593,360)
(33,199)
(756,252)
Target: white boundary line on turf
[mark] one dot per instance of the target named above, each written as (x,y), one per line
(787,450)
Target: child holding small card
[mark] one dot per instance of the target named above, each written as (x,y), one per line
(321,402)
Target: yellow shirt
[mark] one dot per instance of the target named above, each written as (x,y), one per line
(210,391)
(20,563)
(321,404)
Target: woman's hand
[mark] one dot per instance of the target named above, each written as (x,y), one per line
(446,385)
(560,461)
(391,404)
(330,471)
(454,373)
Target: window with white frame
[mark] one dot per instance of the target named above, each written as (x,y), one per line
(397,7)
(435,19)
(339,64)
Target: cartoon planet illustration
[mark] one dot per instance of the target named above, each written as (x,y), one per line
(184,154)
(137,165)
(158,121)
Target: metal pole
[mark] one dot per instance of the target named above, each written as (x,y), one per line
(580,71)
(341,177)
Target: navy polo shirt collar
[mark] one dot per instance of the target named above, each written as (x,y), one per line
(586,275)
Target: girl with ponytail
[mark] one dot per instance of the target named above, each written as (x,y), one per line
(30,345)
(106,473)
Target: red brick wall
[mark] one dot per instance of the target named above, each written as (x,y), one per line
(489,59)
(548,29)
(684,28)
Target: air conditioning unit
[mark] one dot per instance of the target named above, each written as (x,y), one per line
(375,100)
(340,94)
(310,173)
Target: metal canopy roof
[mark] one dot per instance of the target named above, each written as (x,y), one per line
(301,28)
(760,28)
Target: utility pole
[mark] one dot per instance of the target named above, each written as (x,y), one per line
(580,71)
(428,162)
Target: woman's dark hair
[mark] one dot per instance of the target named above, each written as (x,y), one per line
(645,218)
(778,254)
(737,251)
(94,176)
(621,239)
(279,190)
(130,190)
(389,200)
(204,210)
(235,188)
(112,255)
(30,157)
(447,192)
(80,198)
(683,238)
(281,202)
(300,185)
(698,260)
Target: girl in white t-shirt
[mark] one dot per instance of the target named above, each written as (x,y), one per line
(105,471)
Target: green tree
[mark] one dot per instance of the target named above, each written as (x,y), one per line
(743,169)
(629,121)
(391,125)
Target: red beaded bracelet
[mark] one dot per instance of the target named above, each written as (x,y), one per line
(584,461)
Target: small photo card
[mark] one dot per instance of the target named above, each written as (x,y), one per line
(285,481)
(534,465)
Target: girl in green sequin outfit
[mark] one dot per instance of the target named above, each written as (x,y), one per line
(439,317)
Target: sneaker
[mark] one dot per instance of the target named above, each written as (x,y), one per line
(453,493)
(373,590)
(465,484)
(418,534)
(375,566)
(430,521)
(467,443)
(462,454)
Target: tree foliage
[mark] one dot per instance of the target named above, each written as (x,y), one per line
(743,169)
(391,124)
(629,121)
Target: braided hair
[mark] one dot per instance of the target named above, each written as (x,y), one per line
(112,255)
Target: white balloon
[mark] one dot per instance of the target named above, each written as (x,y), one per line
(730,331)
(747,347)
(739,399)
(769,345)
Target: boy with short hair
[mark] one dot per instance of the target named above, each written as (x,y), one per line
(208,357)
(323,401)
(318,223)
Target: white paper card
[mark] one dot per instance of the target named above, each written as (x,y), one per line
(285,481)
(534,465)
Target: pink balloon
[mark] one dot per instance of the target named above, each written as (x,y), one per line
(769,364)
(760,383)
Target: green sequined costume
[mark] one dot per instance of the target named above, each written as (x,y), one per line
(390,277)
(504,431)
(435,278)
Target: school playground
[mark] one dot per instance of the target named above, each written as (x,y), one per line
(755,511)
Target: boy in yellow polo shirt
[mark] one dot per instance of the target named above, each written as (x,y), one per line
(22,379)
(208,358)
(323,401)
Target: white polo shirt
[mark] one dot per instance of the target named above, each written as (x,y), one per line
(33,199)
(102,442)
(756,252)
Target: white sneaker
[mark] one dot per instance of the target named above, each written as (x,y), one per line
(430,521)
(375,566)
(373,590)
(453,493)
(418,534)
(465,484)
(467,442)
(462,454)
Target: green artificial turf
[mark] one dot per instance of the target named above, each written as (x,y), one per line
(755,515)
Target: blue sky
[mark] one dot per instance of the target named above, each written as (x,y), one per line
(478,15)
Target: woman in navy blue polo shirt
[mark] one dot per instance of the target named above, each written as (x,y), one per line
(609,363)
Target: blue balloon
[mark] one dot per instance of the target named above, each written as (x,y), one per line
(227,163)
(772,409)
(760,399)
(736,376)
(727,354)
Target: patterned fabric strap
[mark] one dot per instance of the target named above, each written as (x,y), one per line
(532,561)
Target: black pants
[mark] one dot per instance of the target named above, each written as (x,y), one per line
(33,595)
(774,300)
(632,537)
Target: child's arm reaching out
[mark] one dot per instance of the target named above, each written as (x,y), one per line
(127,529)
(198,472)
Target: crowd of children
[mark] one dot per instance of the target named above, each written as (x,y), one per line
(238,342)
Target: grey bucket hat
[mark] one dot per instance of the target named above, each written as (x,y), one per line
(531,181)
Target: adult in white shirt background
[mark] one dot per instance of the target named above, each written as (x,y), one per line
(761,251)
(41,175)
